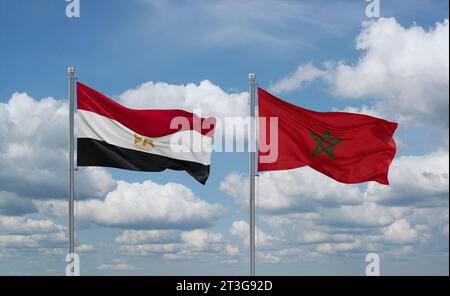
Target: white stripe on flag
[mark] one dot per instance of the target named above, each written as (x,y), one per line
(186,145)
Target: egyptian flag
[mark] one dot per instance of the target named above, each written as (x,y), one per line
(348,147)
(111,135)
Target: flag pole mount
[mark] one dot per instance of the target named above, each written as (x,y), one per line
(71,183)
(252,151)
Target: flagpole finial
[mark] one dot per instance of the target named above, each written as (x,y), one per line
(251,76)
(71,71)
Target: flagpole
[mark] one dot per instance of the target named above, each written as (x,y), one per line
(252,151)
(71,189)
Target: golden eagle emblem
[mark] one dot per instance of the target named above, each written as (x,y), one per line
(143,143)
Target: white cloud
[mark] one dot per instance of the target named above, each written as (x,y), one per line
(93,182)
(199,239)
(295,190)
(351,229)
(19,234)
(173,245)
(34,242)
(421,180)
(33,151)
(404,66)
(267,257)
(241,230)
(312,236)
(233,251)
(150,205)
(366,215)
(308,230)
(400,251)
(297,229)
(414,180)
(205,99)
(84,248)
(407,69)
(331,248)
(304,73)
(146,205)
(434,217)
(413,210)
(400,232)
(55,251)
(22,225)
(135,237)
(210,99)
(146,249)
(115,266)
(331,239)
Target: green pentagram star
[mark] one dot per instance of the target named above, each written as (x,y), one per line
(321,148)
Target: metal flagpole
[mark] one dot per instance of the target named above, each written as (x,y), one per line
(252,151)
(71,74)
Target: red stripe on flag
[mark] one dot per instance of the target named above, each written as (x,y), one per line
(149,123)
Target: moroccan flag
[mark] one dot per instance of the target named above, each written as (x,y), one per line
(348,147)
(111,135)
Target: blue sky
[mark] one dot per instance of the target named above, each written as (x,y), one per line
(315,54)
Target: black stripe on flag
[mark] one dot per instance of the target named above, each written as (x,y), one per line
(93,152)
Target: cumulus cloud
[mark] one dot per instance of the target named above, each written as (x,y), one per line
(147,249)
(20,234)
(400,232)
(330,248)
(421,180)
(146,205)
(34,242)
(267,257)
(33,151)
(205,99)
(295,190)
(200,239)
(412,211)
(93,182)
(115,266)
(135,237)
(352,230)
(304,73)
(174,245)
(414,180)
(84,248)
(22,225)
(210,99)
(402,65)
(405,69)
(240,229)
(303,230)
(366,215)
(233,251)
